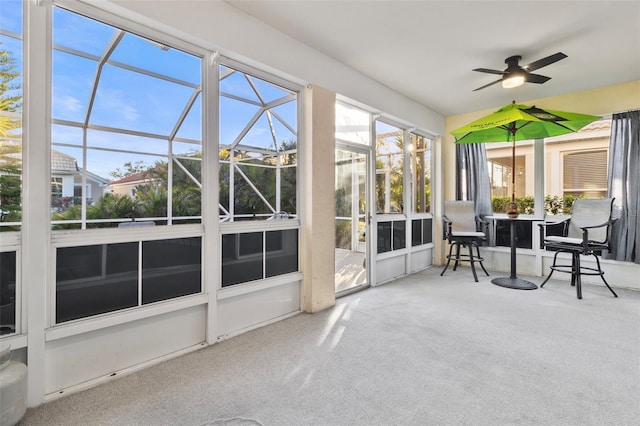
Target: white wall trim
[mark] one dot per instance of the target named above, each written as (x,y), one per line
(98,322)
(251,287)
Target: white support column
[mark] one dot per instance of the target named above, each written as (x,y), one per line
(36,232)
(211,259)
(538,166)
(438,195)
(372,217)
(538,207)
(407,186)
(318,203)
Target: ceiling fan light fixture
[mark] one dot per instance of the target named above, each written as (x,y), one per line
(513,80)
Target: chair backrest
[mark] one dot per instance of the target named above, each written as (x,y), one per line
(462,214)
(590,212)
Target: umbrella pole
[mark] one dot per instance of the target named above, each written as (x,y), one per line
(512,132)
(513,171)
(512,208)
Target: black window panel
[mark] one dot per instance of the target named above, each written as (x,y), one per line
(86,261)
(241,258)
(427,231)
(282,252)
(399,235)
(523,234)
(250,244)
(171,268)
(416,232)
(228,247)
(7,292)
(384,237)
(97,279)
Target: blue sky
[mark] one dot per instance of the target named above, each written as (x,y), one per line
(10,20)
(132,101)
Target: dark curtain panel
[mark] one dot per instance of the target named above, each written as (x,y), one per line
(623,184)
(472,179)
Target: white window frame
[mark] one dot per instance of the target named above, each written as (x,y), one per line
(299,91)
(90,12)
(413,173)
(66,238)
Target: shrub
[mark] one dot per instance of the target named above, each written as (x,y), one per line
(552,204)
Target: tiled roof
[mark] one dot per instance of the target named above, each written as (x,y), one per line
(604,124)
(136,177)
(61,162)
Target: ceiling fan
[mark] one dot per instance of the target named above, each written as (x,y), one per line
(515,75)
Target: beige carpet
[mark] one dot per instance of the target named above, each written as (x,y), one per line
(423,350)
(236,421)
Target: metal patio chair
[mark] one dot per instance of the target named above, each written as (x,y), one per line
(585,232)
(462,228)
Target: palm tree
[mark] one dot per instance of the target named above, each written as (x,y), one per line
(114,206)
(10,94)
(10,146)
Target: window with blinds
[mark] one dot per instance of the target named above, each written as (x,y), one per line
(585,173)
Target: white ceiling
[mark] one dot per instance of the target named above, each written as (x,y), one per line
(426,50)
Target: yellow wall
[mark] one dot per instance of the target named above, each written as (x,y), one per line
(602,101)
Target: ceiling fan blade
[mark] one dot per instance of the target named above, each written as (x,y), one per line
(536,78)
(487,85)
(545,61)
(488,71)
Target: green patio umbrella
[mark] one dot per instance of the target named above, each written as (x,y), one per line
(515,122)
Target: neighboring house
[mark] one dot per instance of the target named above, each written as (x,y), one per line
(66,180)
(575,164)
(128,184)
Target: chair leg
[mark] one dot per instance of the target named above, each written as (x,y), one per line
(455,264)
(576,273)
(552,270)
(602,275)
(448,259)
(480,262)
(457,257)
(473,268)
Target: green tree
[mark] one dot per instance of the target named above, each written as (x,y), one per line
(10,94)
(10,145)
(395,165)
(186,194)
(153,201)
(128,169)
(151,197)
(114,206)
(262,175)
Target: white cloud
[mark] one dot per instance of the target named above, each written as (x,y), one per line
(113,101)
(129,112)
(67,103)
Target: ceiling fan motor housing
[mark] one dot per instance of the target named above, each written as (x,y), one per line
(512,64)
